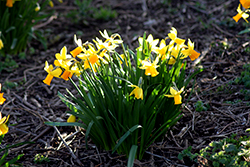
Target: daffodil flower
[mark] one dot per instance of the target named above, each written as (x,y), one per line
(79,47)
(110,39)
(51,73)
(3,127)
(245,3)
(176,94)
(51,4)
(10,3)
(1,44)
(162,49)
(2,99)
(65,61)
(71,118)
(150,40)
(173,36)
(150,68)
(241,14)
(175,52)
(138,92)
(76,51)
(37,7)
(91,56)
(190,51)
(107,45)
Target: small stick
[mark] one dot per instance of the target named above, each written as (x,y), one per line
(70,150)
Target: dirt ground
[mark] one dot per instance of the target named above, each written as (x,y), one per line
(223,53)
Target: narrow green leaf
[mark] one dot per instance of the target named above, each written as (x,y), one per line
(64,124)
(13,45)
(16,145)
(125,136)
(132,154)
(12,161)
(3,157)
(9,29)
(87,133)
(244,31)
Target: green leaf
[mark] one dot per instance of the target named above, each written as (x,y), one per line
(87,133)
(125,136)
(12,161)
(132,154)
(15,145)
(13,45)
(3,157)
(244,31)
(64,124)
(67,102)
(9,29)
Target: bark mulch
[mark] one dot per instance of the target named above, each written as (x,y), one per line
(223,53)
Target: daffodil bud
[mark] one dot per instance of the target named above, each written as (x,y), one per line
(37,7)
(71,118)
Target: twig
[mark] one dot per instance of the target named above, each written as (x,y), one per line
(67,138)
(193,118)
(226,127)
(38,136)
(222,31)
(224,113)
(70,150)
(174,138)
(163,158)
(45,23)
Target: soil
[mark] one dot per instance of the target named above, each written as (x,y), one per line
(223,53)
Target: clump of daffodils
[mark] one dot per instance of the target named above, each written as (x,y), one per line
(243,13)
(90,56)
(129,99)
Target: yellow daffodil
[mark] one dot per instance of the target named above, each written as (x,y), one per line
(150,68)
(66,75)
(110,39)
(62,55)
(90,56)
(245,3)
(10,3)
(3,127)
(2,99)
(107,45)
(175,52)
(61,1)
(176,94)
(77,41)
(51,73)
(51,4)
(71,118)
(190,51)
(138,92)
(1,44)
(92,60)
(162,49)
(173,36)
(65,61)
(150,41)
(76,51)
(241,14)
